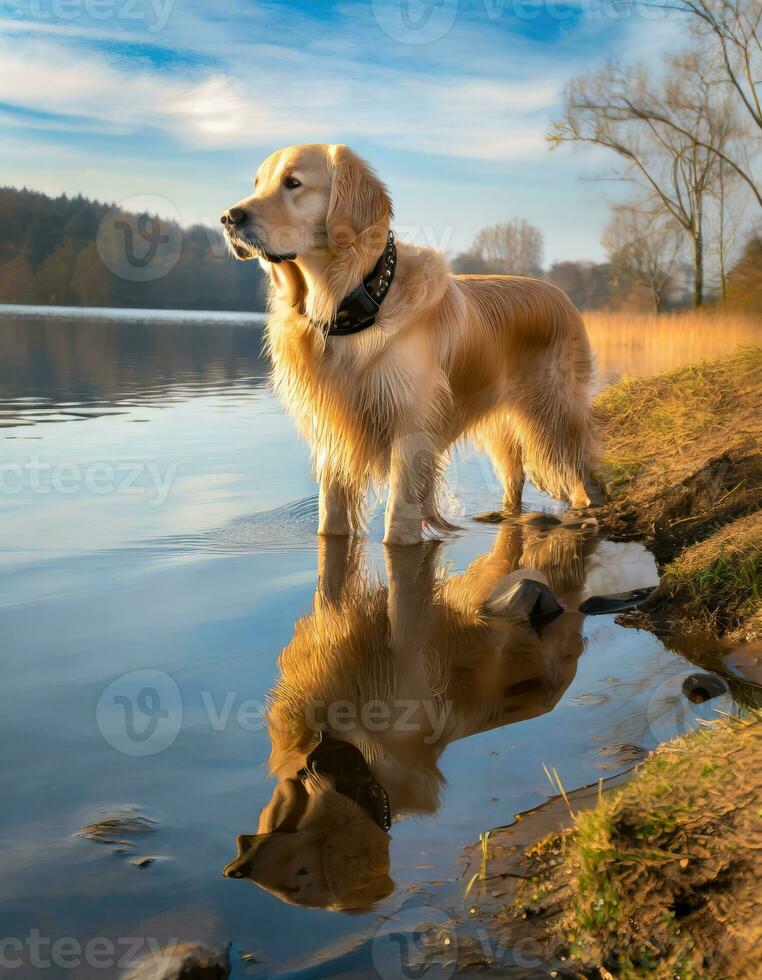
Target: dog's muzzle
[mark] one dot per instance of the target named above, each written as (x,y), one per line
(243,243)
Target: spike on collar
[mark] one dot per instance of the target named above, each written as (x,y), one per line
(358,310)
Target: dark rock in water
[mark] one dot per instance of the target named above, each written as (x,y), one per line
(524,594)
(601,605)
(538,519)
(144,862)
(577,522)
(703,687)
(491,517)
(621,754)
(185,961)
(530,519)
(116,828)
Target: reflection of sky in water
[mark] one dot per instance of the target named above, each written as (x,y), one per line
(207,586)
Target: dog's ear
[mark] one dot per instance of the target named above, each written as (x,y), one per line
(359,200)
(356,865)
(288,283)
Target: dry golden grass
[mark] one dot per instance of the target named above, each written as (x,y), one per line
(643,344)
(659,430)
(682,469)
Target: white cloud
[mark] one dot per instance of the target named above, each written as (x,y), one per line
(229,82)
(483,118)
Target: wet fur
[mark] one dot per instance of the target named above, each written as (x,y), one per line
(502,360)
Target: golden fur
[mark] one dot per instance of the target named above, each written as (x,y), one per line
(441,657)
(502,360)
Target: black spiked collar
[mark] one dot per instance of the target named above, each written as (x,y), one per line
(358,309)
(351,776)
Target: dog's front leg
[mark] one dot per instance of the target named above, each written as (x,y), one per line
(403,519)
(333,508)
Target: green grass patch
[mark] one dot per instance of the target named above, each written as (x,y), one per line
(720,579)
(664,869)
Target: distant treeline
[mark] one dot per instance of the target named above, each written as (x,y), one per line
(637,275)
(63,252)
(70,251)
(51,253)
(516,248)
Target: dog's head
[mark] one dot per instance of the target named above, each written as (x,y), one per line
(306,199)
(317,849)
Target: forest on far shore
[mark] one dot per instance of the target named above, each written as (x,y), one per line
(70,251)
(52,253)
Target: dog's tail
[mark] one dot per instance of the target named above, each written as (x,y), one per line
(555,427)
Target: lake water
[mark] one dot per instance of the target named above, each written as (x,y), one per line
(158,546)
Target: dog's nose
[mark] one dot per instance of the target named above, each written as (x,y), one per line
(233,216)
(229,872)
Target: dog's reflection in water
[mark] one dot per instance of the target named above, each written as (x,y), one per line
(374,686)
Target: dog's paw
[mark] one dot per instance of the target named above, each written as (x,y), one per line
(403,532)
(336,530)
(334,523)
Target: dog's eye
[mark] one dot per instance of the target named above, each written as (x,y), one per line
(291,182)
(302,871)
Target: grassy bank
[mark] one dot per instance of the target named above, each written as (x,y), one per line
(718,582)
(682,471)
(661,878)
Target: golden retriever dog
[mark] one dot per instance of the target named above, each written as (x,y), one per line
(502,360)
(385,678)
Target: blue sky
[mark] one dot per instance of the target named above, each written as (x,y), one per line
(179,100)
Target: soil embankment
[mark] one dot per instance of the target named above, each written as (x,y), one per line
(682,471)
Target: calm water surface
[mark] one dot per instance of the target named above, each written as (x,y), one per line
(158,515)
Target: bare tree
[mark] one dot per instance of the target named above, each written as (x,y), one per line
(643,248)
(727,221)
(469,264)
(513,247)
(731,35)
(734,27)
(587,284)
(666,132)
(745,278)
